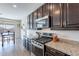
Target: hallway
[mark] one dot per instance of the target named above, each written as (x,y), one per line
(13,50)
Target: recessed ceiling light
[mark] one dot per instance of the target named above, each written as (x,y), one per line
(14,6)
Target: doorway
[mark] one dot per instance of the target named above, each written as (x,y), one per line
(7,34)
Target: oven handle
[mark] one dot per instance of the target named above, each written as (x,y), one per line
(41,47)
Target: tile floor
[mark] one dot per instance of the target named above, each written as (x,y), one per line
(13,50)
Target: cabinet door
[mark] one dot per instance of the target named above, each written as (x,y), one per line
(50,9)
(24,42)
(57,15)
(39,12)
(34,18)
(73,15)
(45,10)
(35,15)
(53,52)
(28,44)
(30,20)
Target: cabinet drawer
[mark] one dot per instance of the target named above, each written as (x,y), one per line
(54,52)
(48,54)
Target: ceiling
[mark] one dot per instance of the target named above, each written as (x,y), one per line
(17,12)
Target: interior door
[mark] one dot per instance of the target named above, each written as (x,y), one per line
(7,34)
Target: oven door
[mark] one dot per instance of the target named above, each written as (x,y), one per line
(37,51)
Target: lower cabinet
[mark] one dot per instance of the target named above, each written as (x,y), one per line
(24,42)
(53,52)
(27,44)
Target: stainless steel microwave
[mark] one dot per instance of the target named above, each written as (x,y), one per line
(44,22)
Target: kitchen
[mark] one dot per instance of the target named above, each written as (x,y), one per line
(41,29)
(53,30)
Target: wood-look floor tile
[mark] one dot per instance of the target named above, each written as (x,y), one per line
(14,50)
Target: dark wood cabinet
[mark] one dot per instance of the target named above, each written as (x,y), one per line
(34,18)
(28,44)
(39,14)
(63,16)
(57,21)
(24,42)
(50,9)
(34,15)
(31,20)
(28,22)
(45,9)
(73,15)
(53,52)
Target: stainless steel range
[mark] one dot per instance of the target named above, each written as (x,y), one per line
(38,44)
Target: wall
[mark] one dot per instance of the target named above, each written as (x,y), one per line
(23,27)
(15,22)
(64,34)
(71,35)
(24,20)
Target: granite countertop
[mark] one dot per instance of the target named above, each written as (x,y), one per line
(66,46)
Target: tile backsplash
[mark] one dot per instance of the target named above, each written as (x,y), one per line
(64,34)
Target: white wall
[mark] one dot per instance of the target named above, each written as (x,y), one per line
(23,27)
(24,20)
(14,22)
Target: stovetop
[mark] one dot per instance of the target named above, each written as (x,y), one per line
(43,40)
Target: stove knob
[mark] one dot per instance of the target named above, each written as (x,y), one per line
(40,45)
(35,42)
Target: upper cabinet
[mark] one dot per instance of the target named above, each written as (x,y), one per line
(56,15)
(39,14)
(34,15)
(30,21)
(63,16)
(34,18)
(73,15)
(45,9)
